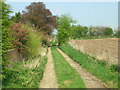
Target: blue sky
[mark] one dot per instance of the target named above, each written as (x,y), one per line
(86,13)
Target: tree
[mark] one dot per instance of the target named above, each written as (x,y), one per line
(6,36)
(40,17)
(76,31)
(108,31)
(17,17)
(84,31)
(79,31)
(100,31)
(91,31)
(64,28)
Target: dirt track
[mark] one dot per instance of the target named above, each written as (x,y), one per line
(102,49)
(89,80)
(49,78)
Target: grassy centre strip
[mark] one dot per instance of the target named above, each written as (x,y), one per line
(67,76)
(97,68)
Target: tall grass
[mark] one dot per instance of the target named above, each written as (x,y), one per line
(34,41)
(98,69)
(20,76)
(25,77)
(83,38)
(67,76)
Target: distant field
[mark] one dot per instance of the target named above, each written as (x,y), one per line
(102,49)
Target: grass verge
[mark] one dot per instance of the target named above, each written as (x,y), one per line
(67,76)
(99,69)
(25,77)
(83,38)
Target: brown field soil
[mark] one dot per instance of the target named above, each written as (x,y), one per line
(102,49)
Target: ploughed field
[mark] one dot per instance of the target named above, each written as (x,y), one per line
(102,49)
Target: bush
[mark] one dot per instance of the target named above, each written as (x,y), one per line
(34,41)
(21,37)
(27,40)
(25,77)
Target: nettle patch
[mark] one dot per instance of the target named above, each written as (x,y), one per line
(21,37)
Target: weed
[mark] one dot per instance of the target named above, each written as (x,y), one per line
(25,77)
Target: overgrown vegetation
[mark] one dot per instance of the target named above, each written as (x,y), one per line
(29,31)
(67,76)
(6,37)
(97,68)
(83,38)
(26,40)
(16,18)
(24,76)
(23,37)
(34,42)
(64,28)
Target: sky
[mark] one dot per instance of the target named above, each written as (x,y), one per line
(85,13)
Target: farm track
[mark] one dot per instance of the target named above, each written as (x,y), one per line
(89,80)
(49,79)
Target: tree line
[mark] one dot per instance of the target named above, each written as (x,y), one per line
(67,29)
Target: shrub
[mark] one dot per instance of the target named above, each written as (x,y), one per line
(34,41)
(21,37)
(27,40)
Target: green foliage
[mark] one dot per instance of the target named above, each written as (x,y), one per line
(95,37)
(25,77)
(78,31)
(85,32)
(34,41)
(100,31)
(108,31)
(53,43)
(97,68)
(66,73)
(21,37)
(64,28)
(16,18)
(27,40)
(6,36)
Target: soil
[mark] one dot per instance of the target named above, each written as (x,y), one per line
(102,49)
(89,80)
(43,51)
(49,78)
